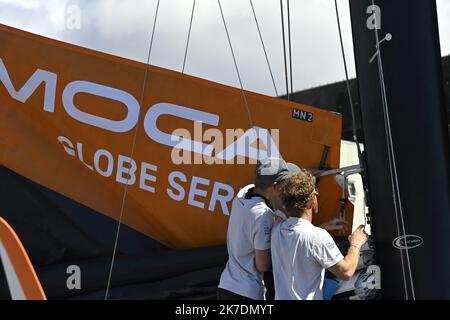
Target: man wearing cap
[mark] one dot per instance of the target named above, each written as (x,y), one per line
(301,252)
(249,229)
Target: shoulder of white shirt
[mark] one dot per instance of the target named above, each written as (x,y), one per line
(257,204)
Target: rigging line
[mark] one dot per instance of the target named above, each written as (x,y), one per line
(349,95)
(397,187)
(188,36)
(264,48)
(237,69)
(391,145)
(289,42)
(284,51)
(116,241)
(347,81)
(394,198)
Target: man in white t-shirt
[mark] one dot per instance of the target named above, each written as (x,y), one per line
(301,252)
(249,230)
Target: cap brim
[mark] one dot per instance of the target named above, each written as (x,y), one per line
(293,169)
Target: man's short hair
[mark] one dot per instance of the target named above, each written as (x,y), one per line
(298,190)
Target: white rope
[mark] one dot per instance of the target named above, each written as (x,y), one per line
(132,152)
(264,49)
(237,70)
(350,99)
(392,165)
(284,51)
(188,37)
(290,46)
(391,155)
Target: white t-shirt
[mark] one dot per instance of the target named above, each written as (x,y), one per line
(300,254)
(249,229)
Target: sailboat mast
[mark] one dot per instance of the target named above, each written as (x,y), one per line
(406,142)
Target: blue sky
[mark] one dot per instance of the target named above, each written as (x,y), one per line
(123,28)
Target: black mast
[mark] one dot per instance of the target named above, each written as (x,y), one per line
(408,184)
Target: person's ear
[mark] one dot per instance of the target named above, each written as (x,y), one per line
(279,187)
(275,187)
(316,203)
(310,203)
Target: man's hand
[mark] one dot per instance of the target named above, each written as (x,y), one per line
(277,220)
(345,269)
(335,224)
(359,237)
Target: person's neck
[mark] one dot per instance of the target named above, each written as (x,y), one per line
(267,196)
(263,193)
(306,215)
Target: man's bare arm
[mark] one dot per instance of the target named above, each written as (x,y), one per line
(263,260)
(345,268)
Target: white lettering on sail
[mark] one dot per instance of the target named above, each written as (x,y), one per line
(195,191)
(102,91)
(157,135)
(38,77)
(244,146)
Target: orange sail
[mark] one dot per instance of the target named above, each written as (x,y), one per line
(22,279)
(94,127)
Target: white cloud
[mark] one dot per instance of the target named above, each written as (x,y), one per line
(23,4)
(124,27)
(40,17)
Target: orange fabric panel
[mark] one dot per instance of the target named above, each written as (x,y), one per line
(29,139)
(23,268)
